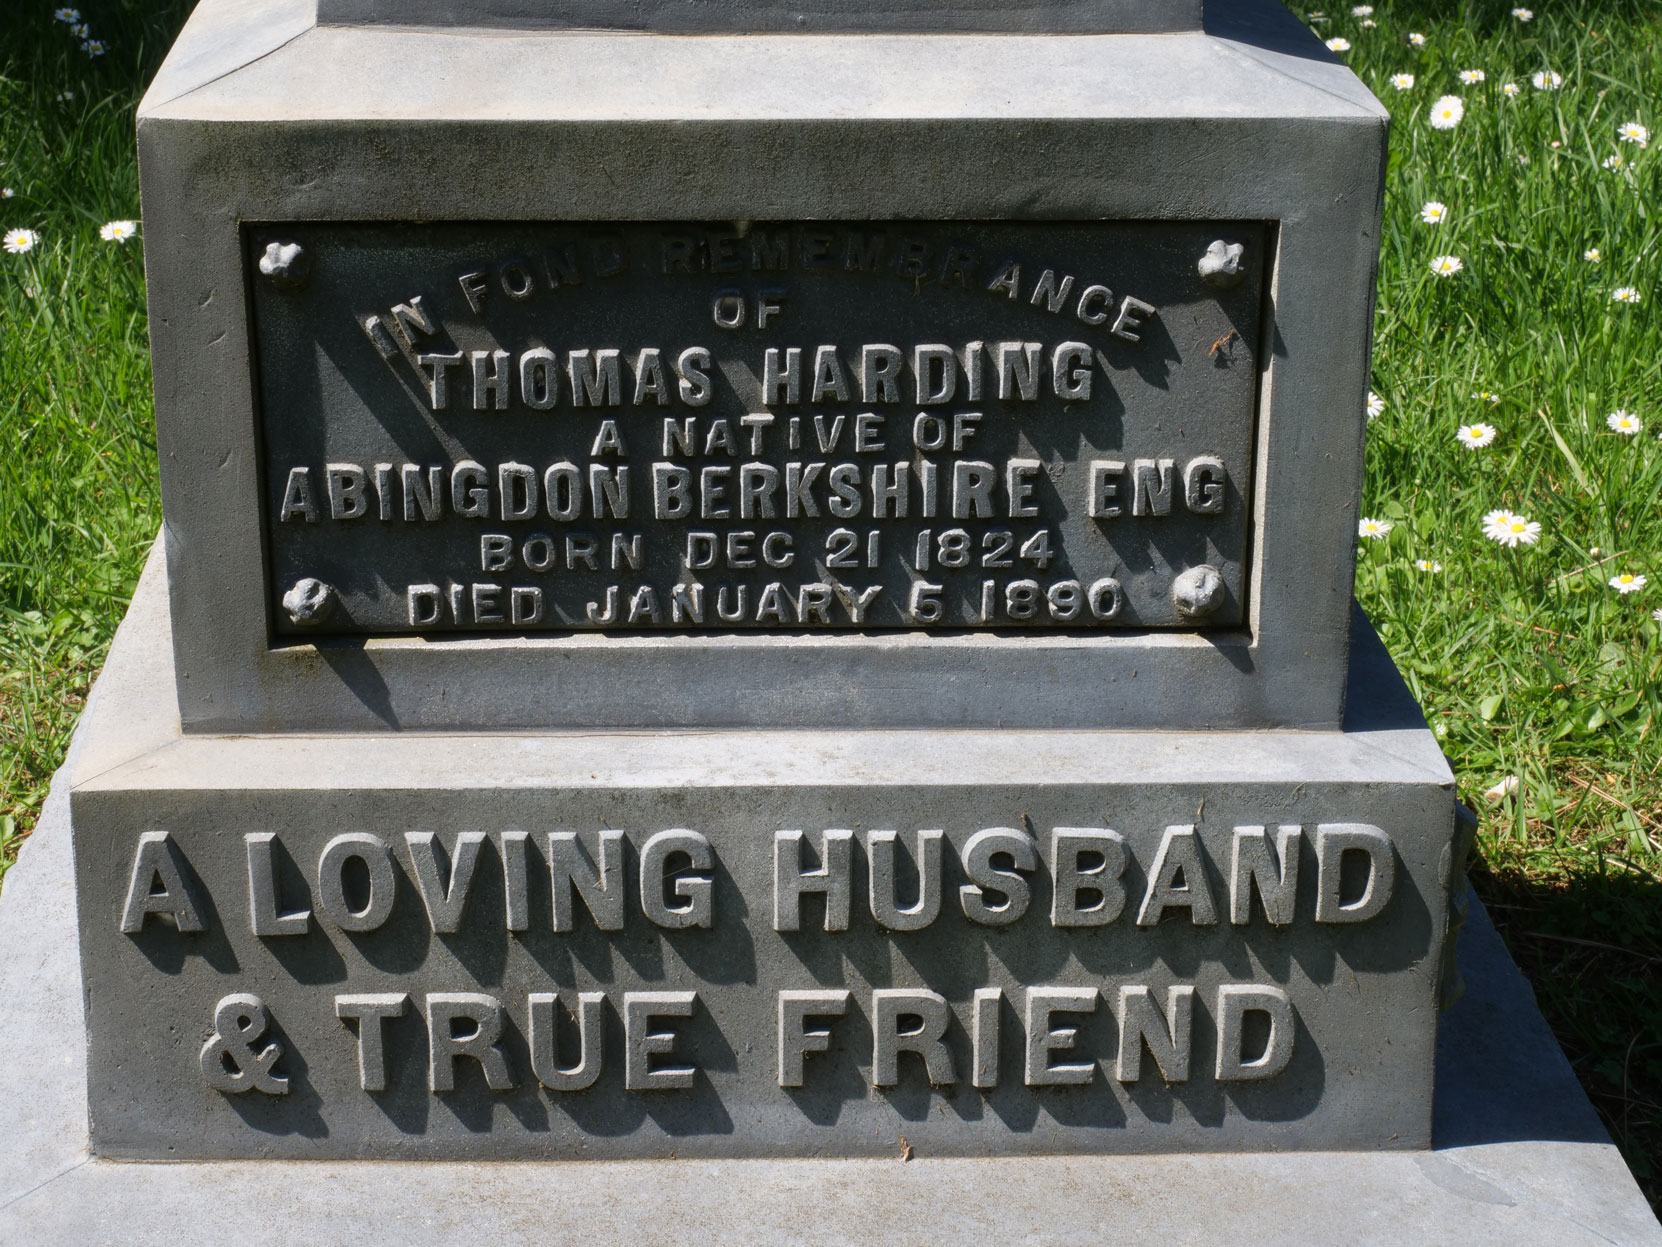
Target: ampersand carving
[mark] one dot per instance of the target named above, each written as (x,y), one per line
(239,1020)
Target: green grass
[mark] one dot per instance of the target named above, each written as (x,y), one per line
(78,500)
(1527,662)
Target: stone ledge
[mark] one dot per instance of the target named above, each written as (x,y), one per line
(749,16)
(1520,1158)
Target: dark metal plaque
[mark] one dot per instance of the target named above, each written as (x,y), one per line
(818,17)
(486,427)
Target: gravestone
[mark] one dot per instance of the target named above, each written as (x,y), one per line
(757,580)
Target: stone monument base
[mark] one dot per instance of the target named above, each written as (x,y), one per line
(1520,1156)
(518,875)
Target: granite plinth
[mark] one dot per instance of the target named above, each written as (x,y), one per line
(262,116)
(1519,1156)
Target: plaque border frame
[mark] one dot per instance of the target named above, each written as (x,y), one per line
(266,116)
(327,633)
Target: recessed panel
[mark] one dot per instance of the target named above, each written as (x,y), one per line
(756,426)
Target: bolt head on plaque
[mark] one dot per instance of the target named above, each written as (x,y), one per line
(287,264)
(1221,265)
(1198,591)
(310,602)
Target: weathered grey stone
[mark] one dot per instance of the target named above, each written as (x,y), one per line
(1520,1158)
(968,868)
(262,117)
(232,965)
(749,16)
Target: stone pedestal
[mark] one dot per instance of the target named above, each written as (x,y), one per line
(1517,1155)
(879,186)
(985,942)
(764,620)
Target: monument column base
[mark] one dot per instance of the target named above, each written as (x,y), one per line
(1518,1156)
(629,945)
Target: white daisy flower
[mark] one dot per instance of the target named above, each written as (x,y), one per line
(6,192)
(1376,406)
(65,96)
(1633,132)
(1362,10)
(1374,529)
(118,231)
(1657,614)
(1510,90)
(1592,255)
(1317,16)
(67,15)
(1403,82)
(1446,112)
(92,47)
(1472,76)
(1338,44)
(1524,15)
(1476,436)
(1416,39)
(17,241)
(1625,423)
(1613,162)
(1487,396)
(1511,529)
(1428,565)
(1447,265)
(1434,213)
(1625,294)
(1627,583)
(1368,23)
(81,31)
(1547,80)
